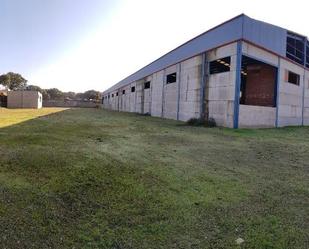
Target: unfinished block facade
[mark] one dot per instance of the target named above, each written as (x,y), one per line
(242,73)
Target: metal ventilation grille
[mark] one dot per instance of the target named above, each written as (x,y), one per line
(307,54)
(220,65)
(295,48)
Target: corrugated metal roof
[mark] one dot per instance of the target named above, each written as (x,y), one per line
(266,35)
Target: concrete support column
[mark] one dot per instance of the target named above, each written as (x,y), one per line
(118,100)
(178,89)
(203,102)
(163,97)
(304,79)
(237,84)
(120,96)
(150,105)
(303,98)
(143,97)
(135,97)
(278,91)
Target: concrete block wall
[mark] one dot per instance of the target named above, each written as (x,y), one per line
(125,98)
(69,103)
(143,96)
(114,101)
(181,100)
(290,96)
(221,87)
(24,99)
(257,116)
(259,54)
(121,99)
(15,100)
(108,103)
(139,102)
(132,98)
(190,73)
(147,96)
(157,93)
(170,94)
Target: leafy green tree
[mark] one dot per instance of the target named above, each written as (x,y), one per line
(79,96)
(69,95)
(34,88)
(54,94)
(45,94)
(13,81)
(91,94)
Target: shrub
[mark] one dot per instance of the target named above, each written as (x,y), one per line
(144,114)
(201,122)
(211,122)
(196,122)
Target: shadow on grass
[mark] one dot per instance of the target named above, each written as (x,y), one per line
(9,117)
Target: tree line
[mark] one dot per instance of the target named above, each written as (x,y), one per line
(14,81)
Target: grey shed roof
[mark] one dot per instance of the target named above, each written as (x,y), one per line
(270,37)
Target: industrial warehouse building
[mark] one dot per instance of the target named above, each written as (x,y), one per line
(242,73)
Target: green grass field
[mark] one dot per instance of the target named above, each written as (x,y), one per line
(89,178)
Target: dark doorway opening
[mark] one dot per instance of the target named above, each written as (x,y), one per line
(258,83)
(3,100)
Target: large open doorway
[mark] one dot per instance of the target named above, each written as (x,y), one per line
(258,83)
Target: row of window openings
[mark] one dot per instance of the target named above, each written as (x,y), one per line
(217,66)
(171,78)
(146,86)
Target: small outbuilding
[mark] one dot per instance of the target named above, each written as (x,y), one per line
(24,99)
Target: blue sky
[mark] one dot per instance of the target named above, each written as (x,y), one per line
(35,31)
(92,44)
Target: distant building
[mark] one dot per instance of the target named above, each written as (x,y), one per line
(242,73)
(24,99)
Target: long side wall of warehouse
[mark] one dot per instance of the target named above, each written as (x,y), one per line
(181,100)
